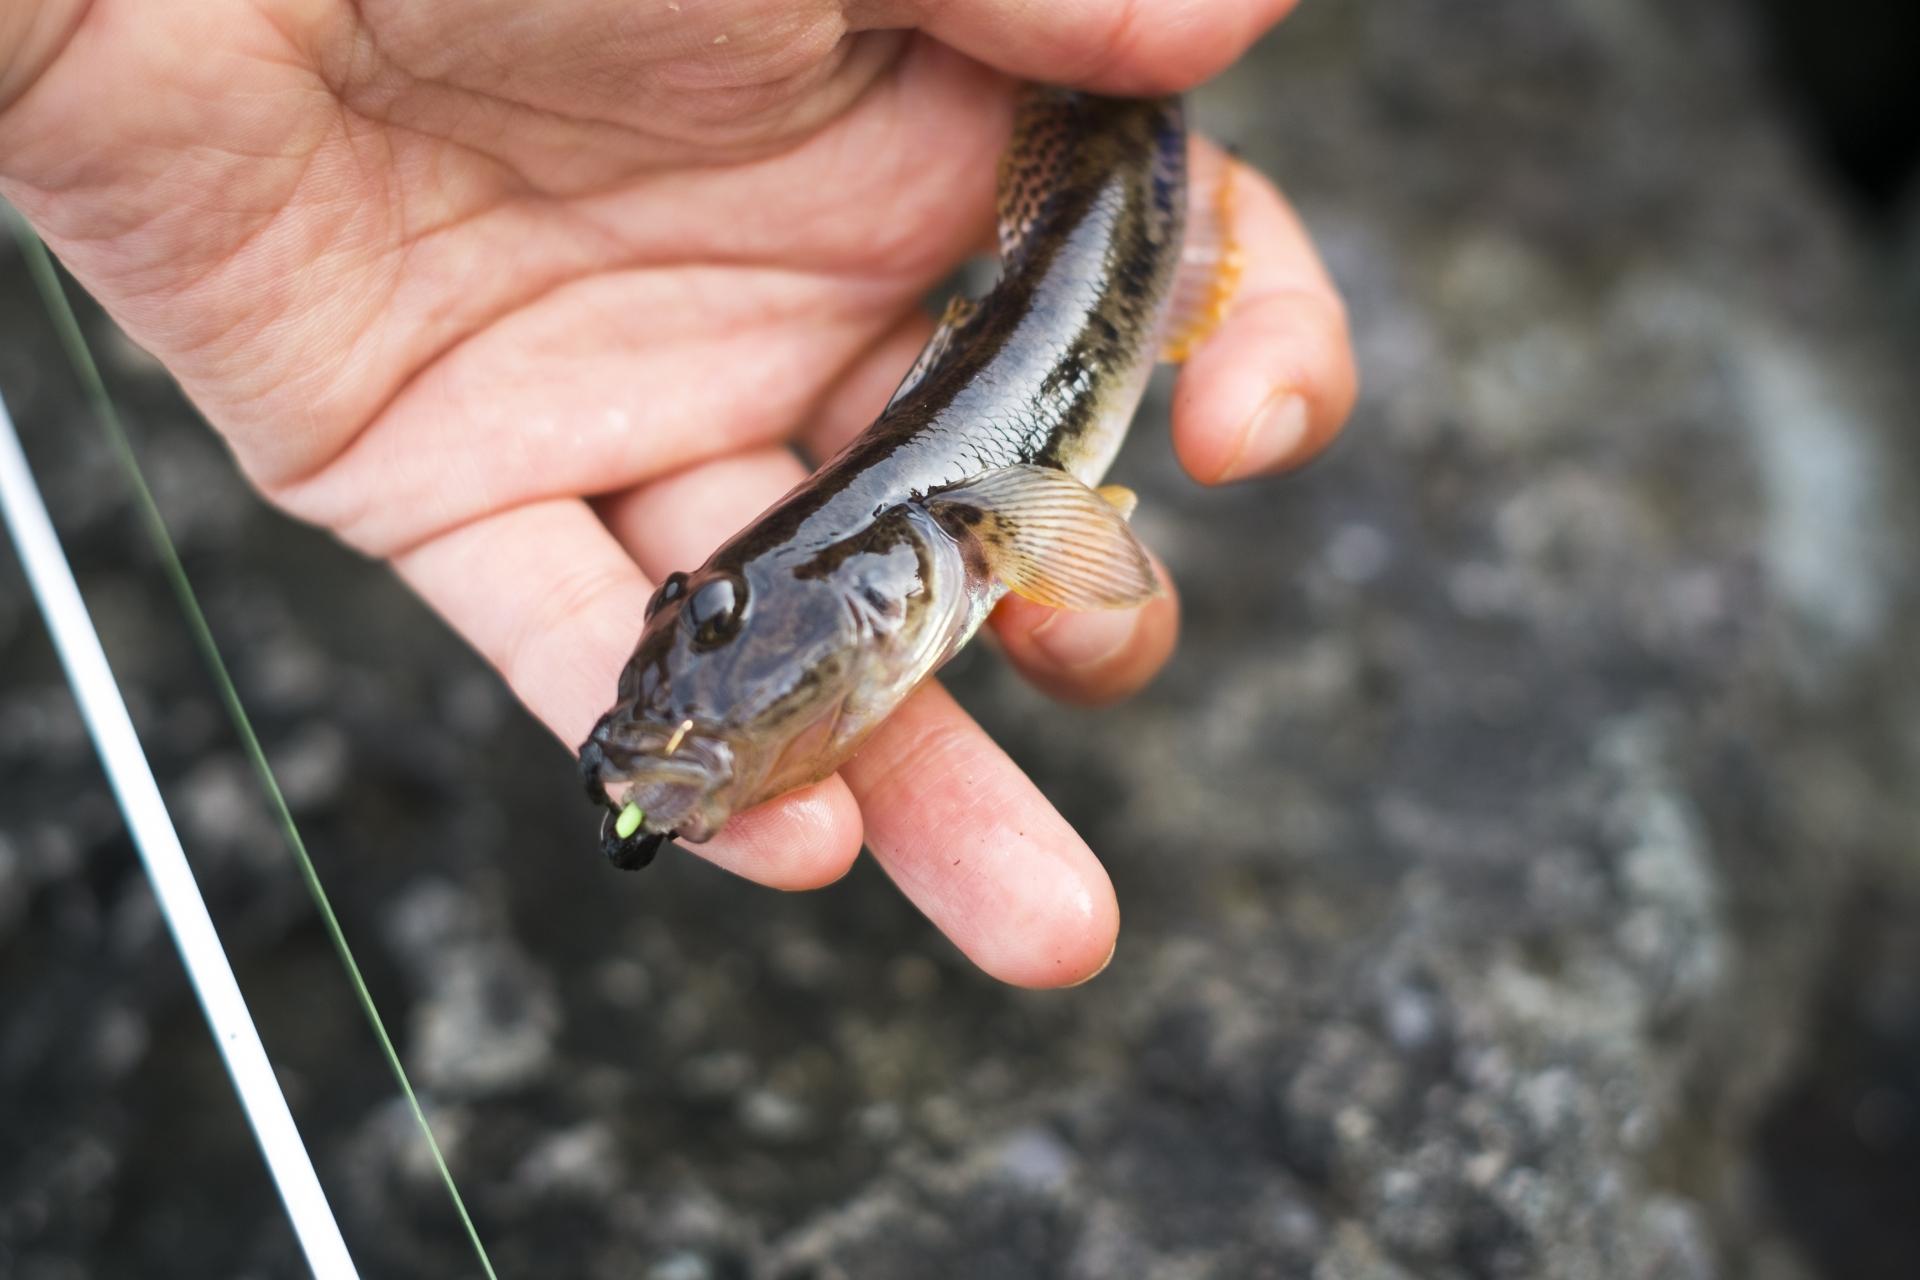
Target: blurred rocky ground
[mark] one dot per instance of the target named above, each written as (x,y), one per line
(1519,862)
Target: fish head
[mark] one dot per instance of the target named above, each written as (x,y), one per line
(758,674)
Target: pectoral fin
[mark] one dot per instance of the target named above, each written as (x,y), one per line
(1050,538)
(959,311)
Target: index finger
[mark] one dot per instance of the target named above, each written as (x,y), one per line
(552,601)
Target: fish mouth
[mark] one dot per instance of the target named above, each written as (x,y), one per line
(671,804)
(673,774)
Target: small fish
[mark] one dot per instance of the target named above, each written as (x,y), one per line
(765,668)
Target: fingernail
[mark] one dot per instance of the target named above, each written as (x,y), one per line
(1086,641)
(1111,953)
(1272,436)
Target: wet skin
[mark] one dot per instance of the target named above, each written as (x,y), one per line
(763,669)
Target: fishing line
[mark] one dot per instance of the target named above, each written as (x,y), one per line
(208,970)
(46,278)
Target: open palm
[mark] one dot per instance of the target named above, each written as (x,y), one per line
(536,301)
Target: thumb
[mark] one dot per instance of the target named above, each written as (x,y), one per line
(1114,46)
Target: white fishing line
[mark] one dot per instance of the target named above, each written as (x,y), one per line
(127,769)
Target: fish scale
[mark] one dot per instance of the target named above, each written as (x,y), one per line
(974,481)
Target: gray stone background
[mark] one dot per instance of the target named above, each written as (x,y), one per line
(1520,862)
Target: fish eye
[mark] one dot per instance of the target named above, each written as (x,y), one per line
(671,588)
(714,610)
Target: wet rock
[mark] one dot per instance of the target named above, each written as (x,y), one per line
(120,1041)
(1485,855)
(388,1168)
(487,1026)
(38,723)
(224,814)
(311,767)
(681,1266)
(773,1117)
(487,1016)
(624,984)
(720,1074)
(582,1161)
(14,887)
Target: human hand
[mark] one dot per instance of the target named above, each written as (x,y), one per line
(537,301)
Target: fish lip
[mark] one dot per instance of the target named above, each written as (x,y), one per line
(670,803)
(622,749)
(640,748)
(626,762)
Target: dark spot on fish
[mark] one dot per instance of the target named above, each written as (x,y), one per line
(1068,374)
(886,532)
